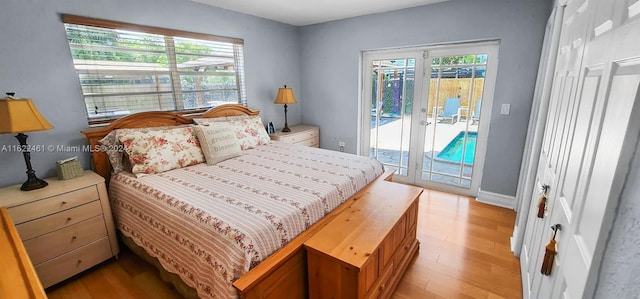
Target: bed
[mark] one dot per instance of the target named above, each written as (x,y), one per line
(236,228)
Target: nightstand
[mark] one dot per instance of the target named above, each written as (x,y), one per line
(300,134)
(66,227)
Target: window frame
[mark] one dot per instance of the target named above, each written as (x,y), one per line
(176,91)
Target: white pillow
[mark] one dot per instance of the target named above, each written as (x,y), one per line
(218,142)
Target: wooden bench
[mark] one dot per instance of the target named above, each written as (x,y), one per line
(363,252)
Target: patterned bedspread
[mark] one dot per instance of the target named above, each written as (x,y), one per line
(212,224)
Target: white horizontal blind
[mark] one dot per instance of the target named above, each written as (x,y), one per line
(126,68)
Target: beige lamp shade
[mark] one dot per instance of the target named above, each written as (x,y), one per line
(285,96)
(21,115)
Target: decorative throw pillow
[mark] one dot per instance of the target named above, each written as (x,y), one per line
(114,150)
(161,150)
(109,145)
(218,142)
(200,121)
(249,130)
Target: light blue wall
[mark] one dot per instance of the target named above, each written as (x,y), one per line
(320,62)
(35,62)
(330,65)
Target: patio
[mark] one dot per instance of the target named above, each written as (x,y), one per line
(393,146)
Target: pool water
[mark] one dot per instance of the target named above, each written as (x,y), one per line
(453,151)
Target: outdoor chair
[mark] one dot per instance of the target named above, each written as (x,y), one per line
(450,111)
(476,113)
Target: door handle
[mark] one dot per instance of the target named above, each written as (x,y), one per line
(424,123)
(545,189)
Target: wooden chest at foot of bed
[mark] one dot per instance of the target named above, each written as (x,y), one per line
(363,252)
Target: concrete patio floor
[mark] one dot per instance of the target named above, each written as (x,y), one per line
(393,146)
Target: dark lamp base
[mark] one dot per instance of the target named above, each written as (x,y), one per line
(286,125)
(33,183)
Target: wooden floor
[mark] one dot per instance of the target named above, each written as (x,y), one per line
(464,253)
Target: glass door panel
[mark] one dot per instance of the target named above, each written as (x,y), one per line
(456,87)
(392,93)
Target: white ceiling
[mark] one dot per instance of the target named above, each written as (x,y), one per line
(306,12)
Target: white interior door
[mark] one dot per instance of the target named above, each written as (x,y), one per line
(586,150)
(560,116)
(527,182)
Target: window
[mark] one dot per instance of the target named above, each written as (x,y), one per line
(125,68)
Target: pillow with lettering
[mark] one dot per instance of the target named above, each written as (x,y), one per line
(218,142)
(249,130)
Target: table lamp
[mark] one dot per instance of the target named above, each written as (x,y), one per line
(285,96)
(19,116)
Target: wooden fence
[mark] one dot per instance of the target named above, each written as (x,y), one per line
(439,91)
(453,88)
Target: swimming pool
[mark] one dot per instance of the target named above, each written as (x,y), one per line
(453,151)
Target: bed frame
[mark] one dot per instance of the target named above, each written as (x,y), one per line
(284,273)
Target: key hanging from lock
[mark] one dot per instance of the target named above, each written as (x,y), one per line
(542,202)
(550,252)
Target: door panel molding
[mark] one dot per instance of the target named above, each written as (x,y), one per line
(590,150)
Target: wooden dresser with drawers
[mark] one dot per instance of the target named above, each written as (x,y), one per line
(66,227)
(300,134)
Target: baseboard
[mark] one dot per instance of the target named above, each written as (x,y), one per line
(512,241)
(500,200)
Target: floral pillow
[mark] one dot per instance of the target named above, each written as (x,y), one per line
(109,144)
(161,150)
(249,130)
(114,150)
(218,142)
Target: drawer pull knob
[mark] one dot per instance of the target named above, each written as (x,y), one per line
(79,262)
(73,238)
(68,219)
(64,203)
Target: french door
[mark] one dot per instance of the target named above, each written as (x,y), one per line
(425,112)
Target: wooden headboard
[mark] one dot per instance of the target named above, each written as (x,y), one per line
(151,119)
